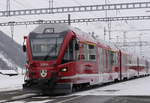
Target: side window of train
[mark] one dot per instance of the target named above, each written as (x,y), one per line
(111,57)
(80,53)
(114,58)
(76,49)
(91,52)
(86,52)
(130,59)
(124,58)
(70,52)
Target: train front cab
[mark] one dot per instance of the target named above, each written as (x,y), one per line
(58,64)
(48,61)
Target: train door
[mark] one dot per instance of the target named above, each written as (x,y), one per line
(70,53)
(115,65)
(110,61)
(91,56)
(110,64)
(124,66)
(103,65)
(100,64)
(87,63)
(146,63)
(120,64)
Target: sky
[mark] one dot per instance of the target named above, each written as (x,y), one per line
(98,28)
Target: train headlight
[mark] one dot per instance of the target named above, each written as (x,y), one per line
(43,73)
(64,70)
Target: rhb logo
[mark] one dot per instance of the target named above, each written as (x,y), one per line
(43,73)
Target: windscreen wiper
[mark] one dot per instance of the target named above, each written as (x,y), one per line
(51,50)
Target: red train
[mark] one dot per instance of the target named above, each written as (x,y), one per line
(61,59)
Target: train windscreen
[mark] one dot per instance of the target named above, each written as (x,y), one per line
(46,47)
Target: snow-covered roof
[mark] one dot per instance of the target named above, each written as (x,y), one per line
(58,27)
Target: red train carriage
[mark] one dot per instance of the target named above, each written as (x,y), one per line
(61,58)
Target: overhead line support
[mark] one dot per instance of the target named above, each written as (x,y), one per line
(76,20)
(87,8)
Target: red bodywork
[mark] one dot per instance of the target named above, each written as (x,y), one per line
(103,69)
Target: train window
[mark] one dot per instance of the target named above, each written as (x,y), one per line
(86,52)
(91,46)
(115,58)
(110,60)
(48,30)
(91,52)
(124,58)
(70,52)
(76,49)
(44,47)
(83,54)
(130,62)
(92,57)
(81,57)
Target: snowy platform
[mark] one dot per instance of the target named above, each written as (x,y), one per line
(8,83)
(140,86)
(8,72)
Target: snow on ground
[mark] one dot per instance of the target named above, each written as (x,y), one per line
(139,86)
(11,82)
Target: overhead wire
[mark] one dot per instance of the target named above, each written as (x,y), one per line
(12,26)
(21,4)
(75,1)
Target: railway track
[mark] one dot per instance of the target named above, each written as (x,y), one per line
(15,95)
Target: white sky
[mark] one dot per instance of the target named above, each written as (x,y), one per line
(98,27)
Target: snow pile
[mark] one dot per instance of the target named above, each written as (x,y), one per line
(11,82)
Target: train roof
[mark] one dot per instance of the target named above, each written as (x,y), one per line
(82,36)
(58,27)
